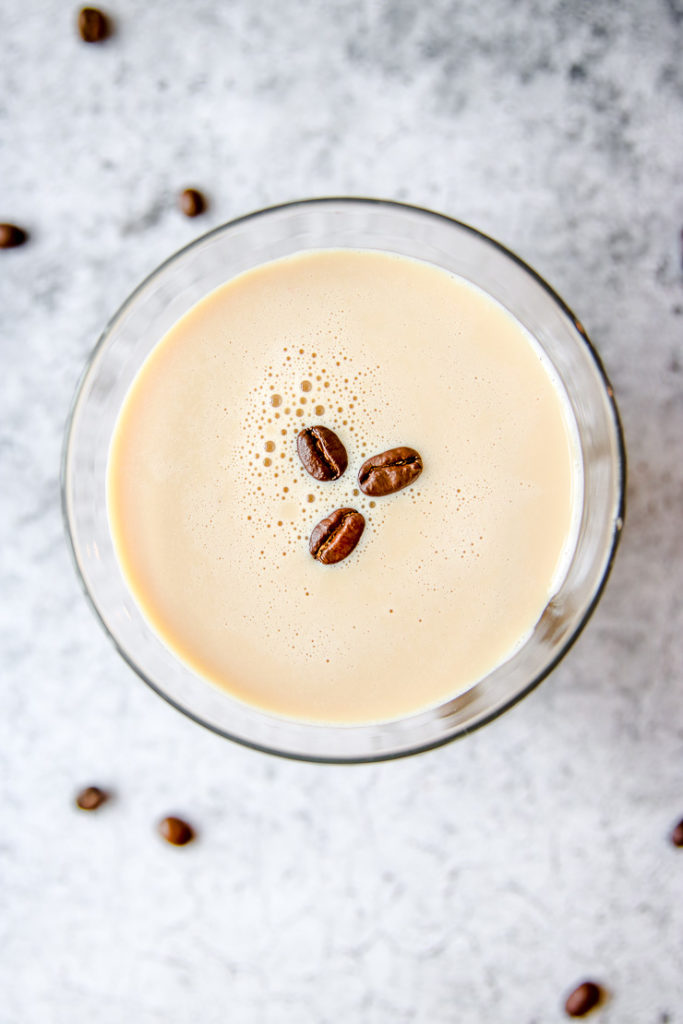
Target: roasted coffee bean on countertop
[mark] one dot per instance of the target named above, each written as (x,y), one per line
(335,537)
(389,472)
(191,202)
(91,798)
(176,831)
(677,834)
(92,25)
(11,236)
(322,453)
(583,999)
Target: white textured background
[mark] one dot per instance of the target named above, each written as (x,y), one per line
(477,883)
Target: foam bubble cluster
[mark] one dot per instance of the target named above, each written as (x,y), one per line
(304,385)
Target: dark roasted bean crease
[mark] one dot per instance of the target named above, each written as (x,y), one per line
(322,453)
(389,471)
(335,537)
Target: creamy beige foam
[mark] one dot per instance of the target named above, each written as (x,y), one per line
(211,510)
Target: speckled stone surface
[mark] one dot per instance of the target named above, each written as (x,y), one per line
(480,882)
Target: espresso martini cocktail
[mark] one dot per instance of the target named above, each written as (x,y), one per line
(212,502)
(343,479)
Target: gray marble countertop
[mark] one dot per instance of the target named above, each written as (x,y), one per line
(479,882)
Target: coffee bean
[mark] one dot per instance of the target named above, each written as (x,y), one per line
(191,202)
(322,453)
(677,834)
(335,537)
(389,472)
(92,25)
(11,236)
(583,999)
(176,831)
(91,798)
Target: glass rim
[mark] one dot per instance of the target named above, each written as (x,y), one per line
(457,733)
